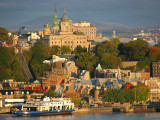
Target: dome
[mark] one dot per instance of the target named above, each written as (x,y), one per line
(64,18)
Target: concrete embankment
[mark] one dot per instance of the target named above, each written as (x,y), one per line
(92,110)
(110,109)
(5,110)
(144,110)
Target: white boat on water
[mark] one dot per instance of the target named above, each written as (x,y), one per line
(53,106)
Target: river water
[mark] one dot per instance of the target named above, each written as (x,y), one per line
(88,116)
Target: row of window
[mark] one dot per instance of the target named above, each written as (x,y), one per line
(68,42)
(88,29)
(17,93)
(62,38)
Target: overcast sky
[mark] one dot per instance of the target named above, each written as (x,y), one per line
(133,13)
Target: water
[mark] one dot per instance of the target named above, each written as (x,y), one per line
(88,116)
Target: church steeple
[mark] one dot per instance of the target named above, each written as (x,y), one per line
(55,24)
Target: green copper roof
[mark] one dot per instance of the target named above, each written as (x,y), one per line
(64,18)
(99,67)
(55,24)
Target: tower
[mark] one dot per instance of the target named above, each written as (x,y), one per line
(47,29)
(66,25)
(114,34)
(55,26)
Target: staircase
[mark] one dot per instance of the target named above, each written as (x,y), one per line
(25,68)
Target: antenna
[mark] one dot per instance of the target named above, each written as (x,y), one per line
(65,9)
(22,21)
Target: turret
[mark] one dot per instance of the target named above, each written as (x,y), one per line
(47,29)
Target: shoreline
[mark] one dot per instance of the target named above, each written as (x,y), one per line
(85,110)
(109,110)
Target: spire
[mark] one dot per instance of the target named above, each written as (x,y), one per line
(55,24)
(99,67)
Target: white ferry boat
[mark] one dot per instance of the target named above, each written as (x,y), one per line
(53,106)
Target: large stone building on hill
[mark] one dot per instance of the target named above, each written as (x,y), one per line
(64,33)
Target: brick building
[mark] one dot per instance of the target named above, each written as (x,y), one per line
(51,79)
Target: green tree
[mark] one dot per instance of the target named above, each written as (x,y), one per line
(4,34)
(108,95)
(10,65)
(136,50)
(25,97)
(38,52)
(51,93)
(141,93)
(86,61)
(79,49)
(116,41)
(76,101)
(107,53)
(5,57)
(55,50)
(65,50)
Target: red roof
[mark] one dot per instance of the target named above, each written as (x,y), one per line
(128,86)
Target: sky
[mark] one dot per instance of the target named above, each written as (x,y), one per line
(132,13)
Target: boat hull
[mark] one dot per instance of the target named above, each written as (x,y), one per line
(42,113)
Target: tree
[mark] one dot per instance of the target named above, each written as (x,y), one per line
(4,35)
(37,58)
(108,54)
(77,101)
(158,45)
(136,50)
(86,61)
(79,49)
(154,53)
(65,50)
(55,50)
(51,93)
(25,97)
(38,52)
(10,65)
(5,57)
(141,93)
(116,41)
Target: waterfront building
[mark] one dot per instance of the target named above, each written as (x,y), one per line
(154,86)
(10,94)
